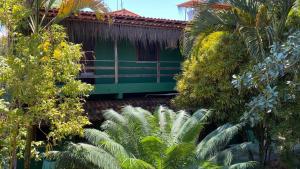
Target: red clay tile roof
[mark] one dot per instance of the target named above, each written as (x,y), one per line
(129,20)
(194,3)
(124,12)
(190,4)
(94,109)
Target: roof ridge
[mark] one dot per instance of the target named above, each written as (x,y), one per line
(123,12)
(91,13)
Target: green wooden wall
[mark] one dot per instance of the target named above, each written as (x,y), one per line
(127,52)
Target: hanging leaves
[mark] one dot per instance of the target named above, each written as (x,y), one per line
(69,6)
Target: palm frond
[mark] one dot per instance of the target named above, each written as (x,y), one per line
(121,134)
(170,116)
(246,165)
(114,129)
(247,6)
(253,41)
(212,20)
(215,132)
(86,156)
(115,149)
(94,136)
(68,6)
(102,139)
(163,123)
(133,163)
(180,156)
(206,21)
(153,148)
(280,11)
(181,118)
(162,119)
(235,154)
(115,117)
(216,141)
(187,43)
(133,140)
(137,117)
(190,130)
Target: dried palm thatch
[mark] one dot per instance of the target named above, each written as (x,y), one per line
(88,32)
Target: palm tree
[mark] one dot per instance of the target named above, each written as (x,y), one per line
(138,139)
(258,22)
(65,8)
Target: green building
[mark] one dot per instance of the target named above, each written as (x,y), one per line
(127,53)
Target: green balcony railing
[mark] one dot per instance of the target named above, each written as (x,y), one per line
(95,70)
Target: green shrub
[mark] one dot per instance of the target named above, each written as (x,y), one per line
(206,75)
(293,20)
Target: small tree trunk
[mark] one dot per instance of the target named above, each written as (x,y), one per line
(13,160)
(27,154)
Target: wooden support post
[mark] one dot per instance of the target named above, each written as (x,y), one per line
(116,62)
(158,71)
(120,96)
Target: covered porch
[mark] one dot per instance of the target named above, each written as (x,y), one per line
(128,76)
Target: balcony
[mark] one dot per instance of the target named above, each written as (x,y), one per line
(124,76)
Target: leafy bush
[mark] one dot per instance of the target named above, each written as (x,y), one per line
(207,75)
(293,20)
(274,111)
(138,139)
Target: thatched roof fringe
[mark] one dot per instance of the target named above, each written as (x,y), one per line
(89,32)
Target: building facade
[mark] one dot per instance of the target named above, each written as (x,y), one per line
(126,53)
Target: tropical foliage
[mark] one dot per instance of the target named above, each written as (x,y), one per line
(206,76)
(139,139)
(266,28)
(32,79)
(258,22)
(276,79)
(293,20)
(39,77)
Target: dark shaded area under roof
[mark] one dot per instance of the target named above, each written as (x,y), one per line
(95,108)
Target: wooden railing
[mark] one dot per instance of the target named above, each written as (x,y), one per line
(93,69)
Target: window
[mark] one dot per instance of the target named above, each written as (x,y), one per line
(88,71)
(147,52)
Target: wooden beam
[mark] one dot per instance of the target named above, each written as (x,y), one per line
(158,72)
(138,68)
(125,76)
(116,62)
(99,68)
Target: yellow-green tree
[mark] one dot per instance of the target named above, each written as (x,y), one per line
(207,74)
(40,81)
(39,75)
